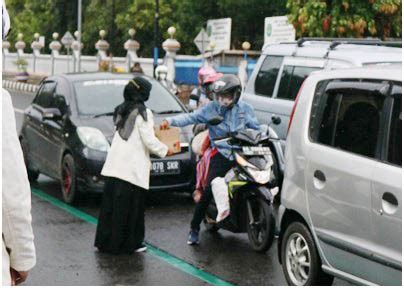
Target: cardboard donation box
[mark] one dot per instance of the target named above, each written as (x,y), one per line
(170,137)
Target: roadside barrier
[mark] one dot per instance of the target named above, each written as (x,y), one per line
(20,86)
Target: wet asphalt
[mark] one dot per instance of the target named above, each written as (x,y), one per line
(66,256)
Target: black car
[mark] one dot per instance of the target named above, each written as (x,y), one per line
(68,129)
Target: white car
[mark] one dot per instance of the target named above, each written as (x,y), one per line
(341,204)
(282,68)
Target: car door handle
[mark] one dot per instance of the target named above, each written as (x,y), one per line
(319,179)
(389,203)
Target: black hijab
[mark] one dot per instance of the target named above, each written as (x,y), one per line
(136,92)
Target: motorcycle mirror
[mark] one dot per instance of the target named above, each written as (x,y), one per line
(215,120)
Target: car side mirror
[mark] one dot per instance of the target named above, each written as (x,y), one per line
(52,114)
(215,120)
(60,103)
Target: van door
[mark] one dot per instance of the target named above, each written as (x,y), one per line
(387,198)
(293,72)
(344,134)
(261,87)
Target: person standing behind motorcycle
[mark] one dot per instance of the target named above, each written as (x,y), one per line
(237,116)
(199,91)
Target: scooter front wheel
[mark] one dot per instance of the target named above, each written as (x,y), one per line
(260,224)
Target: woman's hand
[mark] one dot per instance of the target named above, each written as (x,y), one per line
(164,125)
(170,152)
(197,195)
(17,277)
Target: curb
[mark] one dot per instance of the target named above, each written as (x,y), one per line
(20,86)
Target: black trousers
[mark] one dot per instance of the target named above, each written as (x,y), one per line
(219,166)
(120,226)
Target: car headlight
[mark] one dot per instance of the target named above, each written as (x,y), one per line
(93,138)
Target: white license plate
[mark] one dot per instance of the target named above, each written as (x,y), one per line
(247,150)
(165,167)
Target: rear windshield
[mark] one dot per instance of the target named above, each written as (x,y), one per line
(102,96)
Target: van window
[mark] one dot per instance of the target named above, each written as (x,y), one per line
(267,75)
(395,139)
(348,120)
(291,80)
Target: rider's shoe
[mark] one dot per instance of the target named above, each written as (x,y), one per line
(193,237)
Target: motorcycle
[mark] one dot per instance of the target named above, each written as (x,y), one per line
(252,187)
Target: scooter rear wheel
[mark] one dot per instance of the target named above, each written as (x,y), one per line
(262,231)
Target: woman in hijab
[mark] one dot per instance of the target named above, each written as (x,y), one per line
(120,226)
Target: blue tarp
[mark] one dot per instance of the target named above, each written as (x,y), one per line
(186,71)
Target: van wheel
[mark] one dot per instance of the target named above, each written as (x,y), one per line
(68,180)
(32,174)
(300,260)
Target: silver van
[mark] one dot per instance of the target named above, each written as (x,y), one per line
(282,68)
(341,203)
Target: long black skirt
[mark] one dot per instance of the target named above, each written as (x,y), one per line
(120,226)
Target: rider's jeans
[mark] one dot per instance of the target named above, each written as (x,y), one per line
(219,165)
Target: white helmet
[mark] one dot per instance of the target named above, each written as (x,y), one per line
(5,20)
(161,69)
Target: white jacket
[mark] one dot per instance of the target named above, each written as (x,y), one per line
(130,160)
(18,237)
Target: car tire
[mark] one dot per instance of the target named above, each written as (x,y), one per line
(32,174)
(301,263)
(68,180)
(261,240)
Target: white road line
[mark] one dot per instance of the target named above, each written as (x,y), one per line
(19,110)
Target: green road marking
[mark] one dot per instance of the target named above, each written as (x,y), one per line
(152,250)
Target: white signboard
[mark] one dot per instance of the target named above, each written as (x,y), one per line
(202,41)
(219,32)
(278,29)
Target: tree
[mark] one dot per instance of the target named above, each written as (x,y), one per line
(346,18)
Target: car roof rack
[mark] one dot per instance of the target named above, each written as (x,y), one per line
(360,41)
(335,42)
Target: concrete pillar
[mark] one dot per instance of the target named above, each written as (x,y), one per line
(5,46)
(36,49)
(55,46)
(20,45)
(243,65)
(102,46)
(131,46)
(171,46)
(76,47)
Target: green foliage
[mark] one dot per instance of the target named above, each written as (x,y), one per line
(346,18)
(118,16)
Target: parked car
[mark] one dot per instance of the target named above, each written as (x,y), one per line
(282,68)
(68,128)
(341,204)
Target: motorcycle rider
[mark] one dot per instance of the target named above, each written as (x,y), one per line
(237,116)
(199,91)
(161,76)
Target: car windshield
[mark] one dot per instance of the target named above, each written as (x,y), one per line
(97,97)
